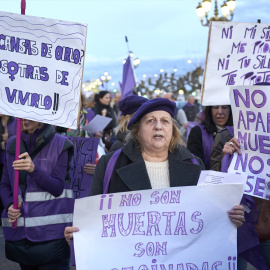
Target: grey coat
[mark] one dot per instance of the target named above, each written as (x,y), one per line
(130,172)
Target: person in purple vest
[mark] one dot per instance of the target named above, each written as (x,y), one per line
(257,232)
(201,137)
(45,198)
(128,106)
(7,129)
(154,157)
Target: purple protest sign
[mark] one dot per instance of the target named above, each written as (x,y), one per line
(85,151)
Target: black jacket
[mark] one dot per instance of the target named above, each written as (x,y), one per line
(130,172)
(97,109)
(120,141)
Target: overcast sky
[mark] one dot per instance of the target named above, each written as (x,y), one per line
(162,33)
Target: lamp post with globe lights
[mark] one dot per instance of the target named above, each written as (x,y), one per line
(106,78)
(227,8)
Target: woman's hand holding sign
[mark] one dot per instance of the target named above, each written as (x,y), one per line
(237,215)
(231,146)
(25,163)
(69,233)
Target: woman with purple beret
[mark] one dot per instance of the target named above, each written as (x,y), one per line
(153,158)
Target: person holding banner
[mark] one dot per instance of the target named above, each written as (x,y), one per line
(201,137)
(261,219)
(128,106)
(45,198)
(154,157)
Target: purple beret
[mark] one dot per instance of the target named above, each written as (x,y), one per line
(157,104)
(131,104)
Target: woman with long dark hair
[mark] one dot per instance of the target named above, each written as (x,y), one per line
(201,137)
(102,107)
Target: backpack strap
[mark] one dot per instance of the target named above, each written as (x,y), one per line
(226,162)
(231,130)
(109,170)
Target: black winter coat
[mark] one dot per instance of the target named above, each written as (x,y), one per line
(120,141)
(130,172)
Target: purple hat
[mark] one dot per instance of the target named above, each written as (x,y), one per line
(157,104)
(131,104)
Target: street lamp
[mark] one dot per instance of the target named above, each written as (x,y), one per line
(135,62)
(106,78)
(203,9)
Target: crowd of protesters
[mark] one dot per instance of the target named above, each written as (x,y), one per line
(147,136)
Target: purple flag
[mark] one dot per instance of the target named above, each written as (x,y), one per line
(128,81)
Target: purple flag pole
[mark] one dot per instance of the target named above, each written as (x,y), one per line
(16,176)
(18,145)
(126,39)
(23,7)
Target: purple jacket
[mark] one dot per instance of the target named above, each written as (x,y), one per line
(11,128)
(47,201)
(207,141)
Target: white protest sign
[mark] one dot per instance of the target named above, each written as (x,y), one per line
(251,119)
(41,66)
(97,124)
(174,228)
(213,177)
(237,54)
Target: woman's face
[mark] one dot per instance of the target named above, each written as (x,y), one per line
(106,99)
(220,115)
(156,131)
(30,126)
